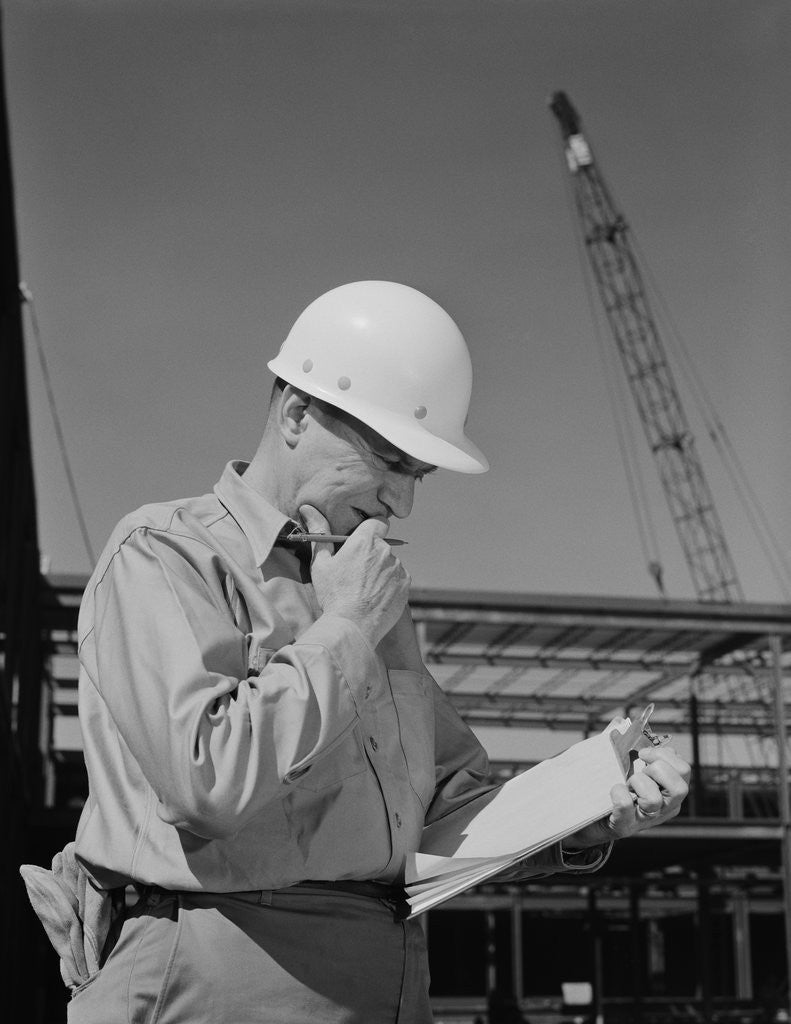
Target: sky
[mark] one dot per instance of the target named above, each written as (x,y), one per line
(189,174)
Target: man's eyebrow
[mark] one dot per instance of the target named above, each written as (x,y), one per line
(385,449)
(411,465)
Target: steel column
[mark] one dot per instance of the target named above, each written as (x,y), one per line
(776,647)
(741,946)
(637,951)
(516,949)
(598,961)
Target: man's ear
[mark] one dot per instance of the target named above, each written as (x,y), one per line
(292,414)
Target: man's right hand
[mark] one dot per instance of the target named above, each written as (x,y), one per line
(364,581)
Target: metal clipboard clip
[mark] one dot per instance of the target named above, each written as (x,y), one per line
(636,737)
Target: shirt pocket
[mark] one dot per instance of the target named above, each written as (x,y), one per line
(259,651)
(341,762)
(261,648)
(415,710)
(342,759)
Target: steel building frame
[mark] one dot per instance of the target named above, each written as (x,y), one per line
(570,663)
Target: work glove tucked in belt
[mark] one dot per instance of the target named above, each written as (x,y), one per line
(76,915)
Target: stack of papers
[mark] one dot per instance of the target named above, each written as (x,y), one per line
(528,813)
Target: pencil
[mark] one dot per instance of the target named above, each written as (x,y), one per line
(332,538)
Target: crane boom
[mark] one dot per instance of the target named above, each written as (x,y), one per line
(647,370)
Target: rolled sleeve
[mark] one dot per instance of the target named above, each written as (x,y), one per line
(555,860)
(583,861)
(215,743)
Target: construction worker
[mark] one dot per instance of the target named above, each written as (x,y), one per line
(264,744)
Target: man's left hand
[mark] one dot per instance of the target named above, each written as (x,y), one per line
(648,798)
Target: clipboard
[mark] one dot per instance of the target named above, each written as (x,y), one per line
(504,825)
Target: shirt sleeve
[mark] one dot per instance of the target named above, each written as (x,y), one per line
(461,763)
(462,770)
(215,743)
(555,860)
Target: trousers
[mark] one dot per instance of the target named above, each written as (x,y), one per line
(283,957)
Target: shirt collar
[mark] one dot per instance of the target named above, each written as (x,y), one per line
(259,521)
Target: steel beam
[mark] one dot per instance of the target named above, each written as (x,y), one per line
(776,645)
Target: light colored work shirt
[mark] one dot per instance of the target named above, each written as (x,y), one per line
(236,737)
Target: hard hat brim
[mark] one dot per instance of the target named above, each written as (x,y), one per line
(460,454)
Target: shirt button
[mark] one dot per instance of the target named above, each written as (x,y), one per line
(368,691)
(398,820)
(374,744)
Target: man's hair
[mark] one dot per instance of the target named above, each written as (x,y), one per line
(328,410)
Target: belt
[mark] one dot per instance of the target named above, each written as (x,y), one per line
(377,890)
(373,890)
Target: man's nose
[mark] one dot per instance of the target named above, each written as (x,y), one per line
(398,493)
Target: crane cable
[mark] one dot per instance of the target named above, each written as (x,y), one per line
(620,412)
(775,556)
(27,298)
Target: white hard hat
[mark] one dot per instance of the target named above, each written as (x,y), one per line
(390,356)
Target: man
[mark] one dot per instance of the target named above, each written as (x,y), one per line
(264,744)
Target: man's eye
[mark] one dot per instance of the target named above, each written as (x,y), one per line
(393,464)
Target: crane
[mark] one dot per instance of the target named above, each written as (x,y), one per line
(642,354)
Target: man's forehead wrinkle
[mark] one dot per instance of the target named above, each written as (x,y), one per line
(348,427)
(345,425)
(379,445)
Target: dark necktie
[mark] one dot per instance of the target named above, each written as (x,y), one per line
(288,538)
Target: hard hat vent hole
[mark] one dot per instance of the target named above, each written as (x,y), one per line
(307,366)
(344,383)
(420,412)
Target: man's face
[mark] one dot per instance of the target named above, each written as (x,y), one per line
(351,473)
